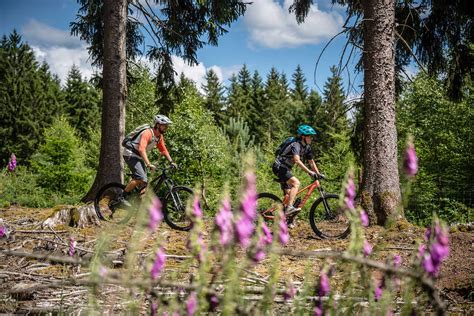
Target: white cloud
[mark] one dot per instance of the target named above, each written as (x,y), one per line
(271,25)
(42,35)
(61,59)
(197,73)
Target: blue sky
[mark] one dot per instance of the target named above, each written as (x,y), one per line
(267,36)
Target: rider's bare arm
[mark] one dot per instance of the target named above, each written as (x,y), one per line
(312,163)
(298,162)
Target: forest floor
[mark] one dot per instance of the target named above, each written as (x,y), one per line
(455,281)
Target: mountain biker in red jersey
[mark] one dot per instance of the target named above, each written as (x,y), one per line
(135,155)
(294,153)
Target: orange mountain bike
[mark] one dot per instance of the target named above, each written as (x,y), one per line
(326,217)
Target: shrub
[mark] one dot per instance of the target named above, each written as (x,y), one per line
(60,161)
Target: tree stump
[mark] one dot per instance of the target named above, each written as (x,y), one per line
(73,216)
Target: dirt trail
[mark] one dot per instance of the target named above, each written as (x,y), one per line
(455,281)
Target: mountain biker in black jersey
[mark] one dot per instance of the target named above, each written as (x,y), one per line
(296,152)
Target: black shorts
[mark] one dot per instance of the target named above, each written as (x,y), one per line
(283,174)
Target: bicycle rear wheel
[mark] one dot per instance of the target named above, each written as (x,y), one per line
(267,205)
(108,208)
(328,219)
(174,208)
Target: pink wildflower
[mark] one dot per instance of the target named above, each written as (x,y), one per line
(249,202)
(244,229)
(436,251)
(12,163)
(324,287)
(318,310)
(268,238)
(350,193)
(191,304)
(397,261)
(197,212)
(289,293)
(367,249)
(153,309)
(213,303)
(3,231)
(364,218)
(72,246)
(159,264)
(283,235)
(410,162)
(156,215)
(224,222)
(378,290)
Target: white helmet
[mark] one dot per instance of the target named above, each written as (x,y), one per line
(162,119)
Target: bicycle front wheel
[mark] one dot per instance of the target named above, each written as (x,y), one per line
(174,208)
(267,205)
(328,219)
(108,207)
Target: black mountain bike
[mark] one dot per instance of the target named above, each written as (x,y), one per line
(109,207)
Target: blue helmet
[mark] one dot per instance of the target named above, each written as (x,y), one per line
(306,130)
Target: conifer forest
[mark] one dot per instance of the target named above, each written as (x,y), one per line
(392,232)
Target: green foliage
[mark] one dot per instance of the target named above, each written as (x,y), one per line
(30,97)
(198,146)
(59,162)
(442,131)
(20,187)
(82,104)
(214,93)
(140,107)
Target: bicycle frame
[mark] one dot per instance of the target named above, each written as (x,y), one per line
(310,188)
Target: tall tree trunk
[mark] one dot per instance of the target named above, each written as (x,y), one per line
(114,93)
(380,190)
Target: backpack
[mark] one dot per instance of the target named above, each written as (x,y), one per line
(130,137)
(287,142)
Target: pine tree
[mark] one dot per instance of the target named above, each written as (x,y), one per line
(274,108)
(82,103)
(29,97)
(256,115)
(214,94)
(299,91)
(334,101)
(233,97)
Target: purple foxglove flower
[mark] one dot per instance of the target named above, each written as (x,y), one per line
(438,252)
(249,202)
(378,291)
(159,264)
(318,310)
(259,255)
(244,229)
(268,238)
(197,212)
(3,231)
(283,234)
(72,246)
(191,304)
(289,293)
(350,193)
(156,215)
(397,261)
(364,218)
(421,250)
(428,266)
(324,287)
(427,233)
(411,160)
(213,303)
(367,249)
(224,223)
(153,309)
(12,163)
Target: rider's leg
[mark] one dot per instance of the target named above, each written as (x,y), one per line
(295,185)
(133,184)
